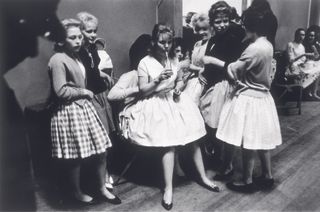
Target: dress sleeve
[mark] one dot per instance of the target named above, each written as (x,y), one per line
(121,89)
(105,60)
(290,52)
(63,89)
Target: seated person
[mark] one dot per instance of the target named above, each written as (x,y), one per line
(302,66)
(127,86)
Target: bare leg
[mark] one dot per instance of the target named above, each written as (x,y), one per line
(197,158)
(108,178)
(73,175)
(100,168)
(177,167)
(168,165)
(228,158)
(265,158)
(315,86)
(248,165)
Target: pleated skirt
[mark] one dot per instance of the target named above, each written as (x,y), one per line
(212,101)
(250,122)
(77,132)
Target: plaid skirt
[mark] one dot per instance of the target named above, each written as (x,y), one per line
(77,132)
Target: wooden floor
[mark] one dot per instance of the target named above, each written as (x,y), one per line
(296,166)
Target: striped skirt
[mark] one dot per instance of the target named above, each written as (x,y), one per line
(77,132)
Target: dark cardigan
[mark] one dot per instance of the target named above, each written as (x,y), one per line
(228,48)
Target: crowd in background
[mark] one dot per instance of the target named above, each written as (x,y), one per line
(211,86)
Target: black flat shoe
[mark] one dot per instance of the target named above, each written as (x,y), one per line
(114,201)
(213,188)
(242,188)
(166,206)
(263,182)
(223,177)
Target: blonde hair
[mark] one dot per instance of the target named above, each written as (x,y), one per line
(66,23)
(70,22)
(86,18)
(201,18)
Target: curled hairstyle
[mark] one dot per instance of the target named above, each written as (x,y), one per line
(189,16)
(66,24)
(220,7)
(86,18)
(159,29)
(202,18)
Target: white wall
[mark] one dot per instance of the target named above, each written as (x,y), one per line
(204,5)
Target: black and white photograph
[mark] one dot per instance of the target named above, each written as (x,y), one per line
(160,105)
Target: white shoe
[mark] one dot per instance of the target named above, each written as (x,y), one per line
(108,183)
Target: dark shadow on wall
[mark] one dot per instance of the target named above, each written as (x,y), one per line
(21,24)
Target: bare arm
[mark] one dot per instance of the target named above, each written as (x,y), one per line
(122,88)
(213,61)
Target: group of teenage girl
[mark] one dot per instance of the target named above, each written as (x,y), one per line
(169,100)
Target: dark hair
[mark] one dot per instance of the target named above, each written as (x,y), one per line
(234,14)
(297,33)
(157,30)
(261,5)
(254,21)
(309,30)
(220,7)
(178,41)
(189,16)
(138,50)
(66,24)
(315,29)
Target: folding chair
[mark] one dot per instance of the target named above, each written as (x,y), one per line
(282,86)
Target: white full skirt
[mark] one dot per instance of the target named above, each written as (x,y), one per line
(158,121)
(250,122)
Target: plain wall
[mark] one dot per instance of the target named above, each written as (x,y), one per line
(291,14)
(120,23)
(314,13)
(170,11)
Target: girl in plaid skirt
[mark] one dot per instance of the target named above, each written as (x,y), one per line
(76,130)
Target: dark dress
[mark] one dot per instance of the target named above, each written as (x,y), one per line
(228,48)
(98,86)
(189,38)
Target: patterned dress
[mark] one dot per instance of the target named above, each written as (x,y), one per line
(76,130)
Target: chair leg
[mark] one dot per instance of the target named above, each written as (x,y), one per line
(126,168)
(299,100)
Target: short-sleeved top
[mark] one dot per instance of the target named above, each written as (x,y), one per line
(151,68)
(105,60)
(294,50)
(228,48)
(254,66)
